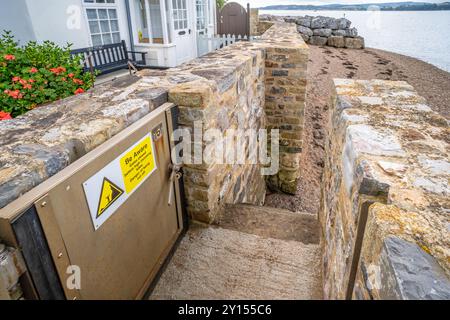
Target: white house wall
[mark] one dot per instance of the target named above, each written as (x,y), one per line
(60,21)
(14,17)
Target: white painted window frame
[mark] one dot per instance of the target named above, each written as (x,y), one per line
(205,16)
(164,24)
(95,5)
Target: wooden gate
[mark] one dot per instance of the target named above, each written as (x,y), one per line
(233,19)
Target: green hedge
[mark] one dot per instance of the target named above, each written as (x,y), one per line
(35,74)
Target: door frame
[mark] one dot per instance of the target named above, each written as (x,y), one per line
(191,26)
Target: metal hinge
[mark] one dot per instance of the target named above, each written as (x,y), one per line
(175,175)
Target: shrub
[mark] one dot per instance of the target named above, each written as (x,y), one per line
(37,73)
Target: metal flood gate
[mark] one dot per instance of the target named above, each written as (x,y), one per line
(113,218)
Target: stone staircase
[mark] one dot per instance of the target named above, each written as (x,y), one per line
(249,252)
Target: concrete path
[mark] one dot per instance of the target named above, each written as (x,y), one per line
(250,253)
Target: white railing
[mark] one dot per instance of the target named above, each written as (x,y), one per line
(209,43)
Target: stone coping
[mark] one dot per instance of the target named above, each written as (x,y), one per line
(42,142)
(400,149)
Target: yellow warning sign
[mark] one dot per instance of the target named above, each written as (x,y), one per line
(137,164)
(109,194)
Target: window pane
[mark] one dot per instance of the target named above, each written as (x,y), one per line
(114,25)
(174,4)
(116,37)
(102,14)
(105,26)
(89,1)
(92,14)
(100,1)
(112,13)
(94,27)
(110,1)
(185,24)
(96,40)
(107,38)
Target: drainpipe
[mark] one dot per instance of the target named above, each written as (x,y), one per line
(130,27)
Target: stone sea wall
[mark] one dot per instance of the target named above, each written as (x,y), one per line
(223,90)
(385,195)
(324,31)
(254,22)
(286,73)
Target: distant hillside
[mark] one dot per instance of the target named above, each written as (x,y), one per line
(389,6)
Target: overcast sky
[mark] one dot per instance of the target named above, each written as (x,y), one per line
(263,3)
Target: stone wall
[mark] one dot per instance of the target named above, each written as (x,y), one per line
(323,31)
(225,89)
(254,22)
(385,195)
(286,73)
(263,26)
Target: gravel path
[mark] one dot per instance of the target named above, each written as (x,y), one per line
(327,63)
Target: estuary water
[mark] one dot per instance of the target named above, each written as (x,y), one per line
(424,35)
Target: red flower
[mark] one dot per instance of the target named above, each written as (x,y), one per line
(71,75)
(15,94)
(23,82)
(33,70)
(5,115)
(15,79)
(58,70)
(31,81)
(9,57)
(79,90)
(78,81)
(64,79)
(27,86)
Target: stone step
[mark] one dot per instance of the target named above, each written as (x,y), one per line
(218,263)
(271,223)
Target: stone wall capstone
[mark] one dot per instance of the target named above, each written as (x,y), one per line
(385,195)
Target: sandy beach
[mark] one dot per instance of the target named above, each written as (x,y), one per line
(326,63)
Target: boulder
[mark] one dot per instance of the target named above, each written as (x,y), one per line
(351,33)
(333,24)
(343,23)
(291,19)
(305,37)
(322,32)
(336,41)
(304,21)
(340,33)
(354,43)
(305,30)
(319,22)
(319,41)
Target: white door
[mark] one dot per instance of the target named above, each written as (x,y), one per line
(183,26)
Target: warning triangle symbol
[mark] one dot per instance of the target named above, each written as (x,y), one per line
(109,194)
